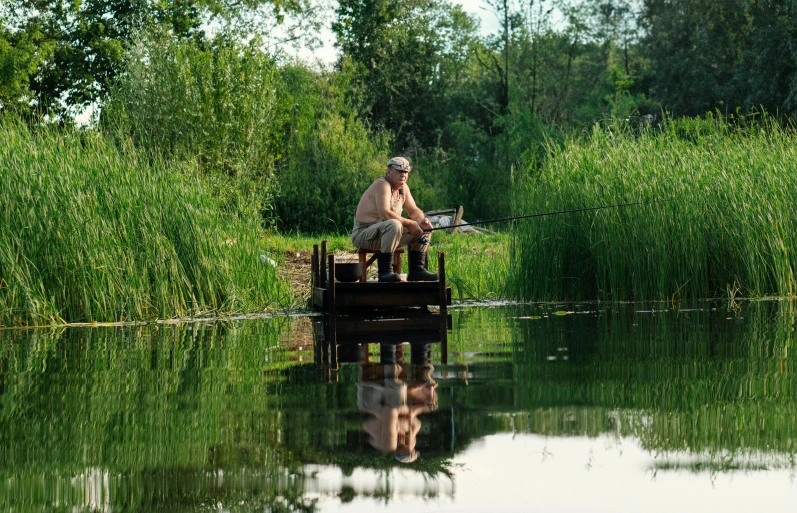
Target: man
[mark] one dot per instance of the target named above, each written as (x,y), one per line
(378,224)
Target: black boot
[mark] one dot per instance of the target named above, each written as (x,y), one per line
(385,263)
(418,272)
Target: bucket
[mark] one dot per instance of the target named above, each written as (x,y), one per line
(348,270)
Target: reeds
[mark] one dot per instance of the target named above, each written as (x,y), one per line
(720,221)
(92,231)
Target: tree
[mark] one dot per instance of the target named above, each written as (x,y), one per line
(767,73)
(21,54)
(80,45)
(401,57)
(694,47)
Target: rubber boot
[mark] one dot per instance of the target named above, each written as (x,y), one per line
(417,264)
(385,265)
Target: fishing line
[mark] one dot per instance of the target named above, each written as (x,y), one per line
(541,214)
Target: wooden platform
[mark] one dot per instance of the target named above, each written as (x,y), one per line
(334,297)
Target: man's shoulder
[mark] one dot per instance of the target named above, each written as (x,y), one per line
(380,184)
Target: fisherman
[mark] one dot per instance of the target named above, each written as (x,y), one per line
(379,226)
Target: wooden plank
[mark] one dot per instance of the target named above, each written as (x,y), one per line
(406,287)
(457,219)
(444,301)
(376,326)
(320,298)
(363,266)
(420,337)
(440,212)
(442,290)
(376,298)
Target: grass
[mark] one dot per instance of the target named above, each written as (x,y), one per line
(723,223)
(96,232)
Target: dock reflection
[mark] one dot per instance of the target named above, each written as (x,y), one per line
(345,339)
(392,392)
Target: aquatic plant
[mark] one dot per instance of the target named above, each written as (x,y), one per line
(720,218)
(92,231)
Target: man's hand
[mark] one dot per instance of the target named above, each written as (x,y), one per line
(414,228)
(426,225)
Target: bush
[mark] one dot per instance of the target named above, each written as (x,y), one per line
(216,106)
(329,158)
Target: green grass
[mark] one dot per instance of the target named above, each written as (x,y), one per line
(723,225)
(96,232)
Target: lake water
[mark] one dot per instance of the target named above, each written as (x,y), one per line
(588,407)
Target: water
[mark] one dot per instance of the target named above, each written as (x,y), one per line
(538,408)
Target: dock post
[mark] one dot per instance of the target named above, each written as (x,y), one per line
(315,282)
(333,339)
(443,297)
(323,264)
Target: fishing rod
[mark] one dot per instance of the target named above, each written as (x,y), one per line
(543,214)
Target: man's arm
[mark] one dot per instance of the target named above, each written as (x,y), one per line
(382,199)
(415,213)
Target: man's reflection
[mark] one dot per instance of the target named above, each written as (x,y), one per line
(395,403)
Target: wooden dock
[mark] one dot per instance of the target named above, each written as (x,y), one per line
(335,297)
(363,312)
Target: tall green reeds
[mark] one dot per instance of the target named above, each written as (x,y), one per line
(720,219)
(92,231)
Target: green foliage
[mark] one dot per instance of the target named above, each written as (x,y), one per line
(216,106)
(721,223)
(477,266)
(402,55)
(328,169)
(99,232)
(81,45)
(722,55)
(328,157)
(20,58)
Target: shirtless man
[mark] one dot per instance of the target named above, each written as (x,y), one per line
(378,224)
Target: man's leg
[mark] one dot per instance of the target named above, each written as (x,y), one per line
(417,259)
(383,237)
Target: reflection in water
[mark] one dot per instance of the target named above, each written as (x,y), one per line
(245,416)
(394,405)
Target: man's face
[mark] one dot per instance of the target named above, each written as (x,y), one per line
(396,176)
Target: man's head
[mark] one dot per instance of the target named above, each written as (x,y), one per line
(398,169)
